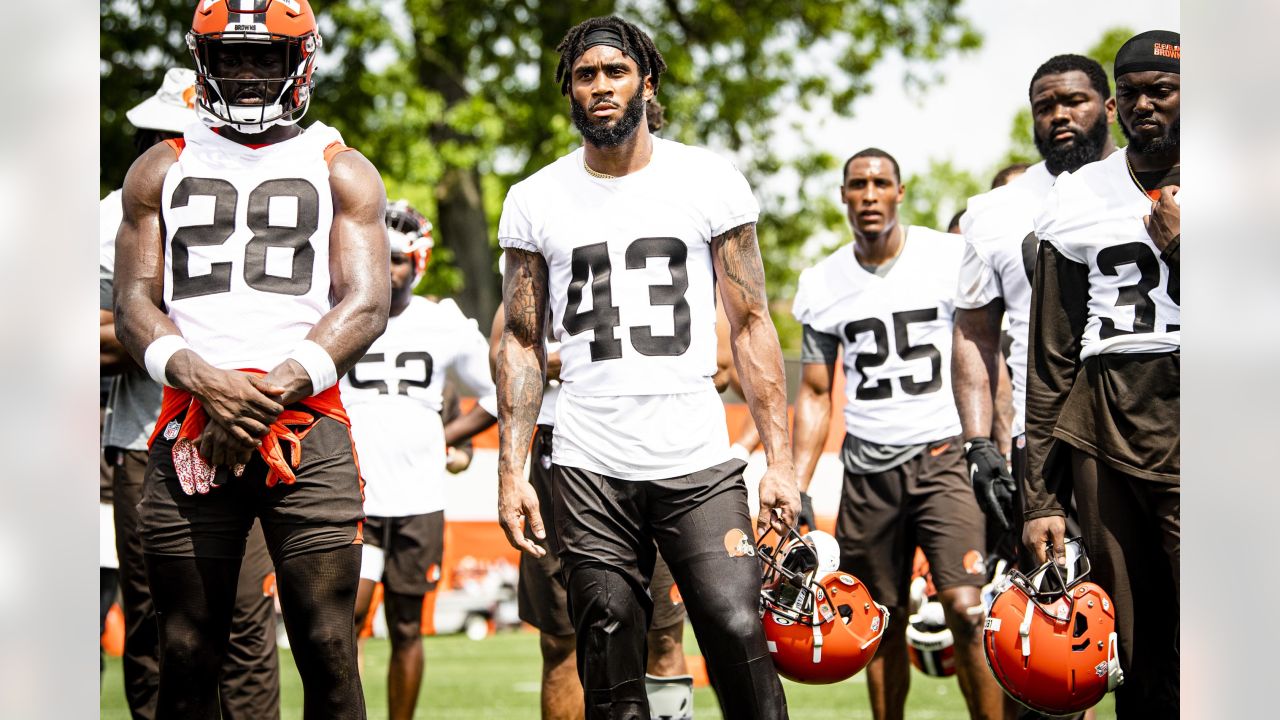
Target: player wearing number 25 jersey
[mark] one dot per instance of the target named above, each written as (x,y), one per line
(887,300)
(1103,395)
(251,271)
(619,246)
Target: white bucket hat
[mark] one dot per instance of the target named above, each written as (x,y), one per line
(172,108)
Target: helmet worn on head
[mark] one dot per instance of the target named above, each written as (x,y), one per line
(287,24)
(410,233)
(1050,637)
(821,624)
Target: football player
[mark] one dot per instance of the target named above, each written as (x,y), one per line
(249,679)
(1071,110)
(1103,373)
(543,601)
(887,300)
(618,246)
(394,398)
(251,273)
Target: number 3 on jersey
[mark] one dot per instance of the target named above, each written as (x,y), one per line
(591,262)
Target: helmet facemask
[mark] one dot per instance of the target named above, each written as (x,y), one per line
(1053,581)
(792,573)
(283,100)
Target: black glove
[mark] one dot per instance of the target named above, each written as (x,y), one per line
(992,484)
(806,518)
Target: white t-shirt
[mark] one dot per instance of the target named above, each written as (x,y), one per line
(1094,217)
(547,413)
(110,215)
(995,264)
(632,298)
(393,396)
(896,336)
(246,264)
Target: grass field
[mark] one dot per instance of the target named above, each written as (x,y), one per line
(498,678)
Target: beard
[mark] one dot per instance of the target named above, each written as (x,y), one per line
(1155,146)
(1087,148)
(606,135)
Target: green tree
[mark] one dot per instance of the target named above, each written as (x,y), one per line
(454,100)
(936,194)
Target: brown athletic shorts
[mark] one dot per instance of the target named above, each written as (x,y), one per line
(321,510)
(925,502)
(541,596)
(413,548)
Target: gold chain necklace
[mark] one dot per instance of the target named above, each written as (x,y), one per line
(595,173)
(1134,176)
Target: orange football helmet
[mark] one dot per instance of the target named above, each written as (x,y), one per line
(1050,639)
(822,625)
(410,233)
(288,25)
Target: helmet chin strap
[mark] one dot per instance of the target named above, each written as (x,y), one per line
(1115,676)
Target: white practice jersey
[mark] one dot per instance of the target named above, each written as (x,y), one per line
(246,265)
(110,215)
(1094,217)
(547,413)
(997,264)
(632,298)
(393,396)
(896,336)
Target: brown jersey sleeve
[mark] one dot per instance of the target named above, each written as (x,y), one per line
(1059,310)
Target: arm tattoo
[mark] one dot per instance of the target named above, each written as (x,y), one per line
(754,338)
(521,361)
(739,254)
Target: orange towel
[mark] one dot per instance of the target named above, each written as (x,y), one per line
(196,475)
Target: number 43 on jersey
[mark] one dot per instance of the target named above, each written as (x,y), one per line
(591,263)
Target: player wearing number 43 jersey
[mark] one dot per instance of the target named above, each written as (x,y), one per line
(394,397)
(251,271)
(887,300)
(1103,393)
(619,246)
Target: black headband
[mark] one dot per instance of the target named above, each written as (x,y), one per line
(1158,50)
(605,36)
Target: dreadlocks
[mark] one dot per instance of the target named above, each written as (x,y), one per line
(636,44)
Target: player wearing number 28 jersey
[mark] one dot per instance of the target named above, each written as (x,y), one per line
(251,271)
(887,300)
(619,246)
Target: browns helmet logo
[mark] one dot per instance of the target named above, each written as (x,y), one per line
(737,544)
(676,599)
(974,564)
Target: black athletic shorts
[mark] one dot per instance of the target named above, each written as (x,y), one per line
(321,510)
(542,599)
(621,523)
(412,547)
(927,502)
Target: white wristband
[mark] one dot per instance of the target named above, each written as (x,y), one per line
(319,366)
(158,353)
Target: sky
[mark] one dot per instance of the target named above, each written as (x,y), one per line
(966,118)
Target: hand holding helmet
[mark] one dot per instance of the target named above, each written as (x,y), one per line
(822,625)
(1050,636)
